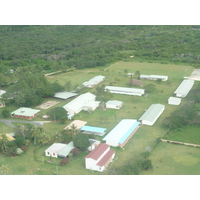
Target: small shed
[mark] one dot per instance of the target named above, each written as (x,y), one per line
(93,144)
(174,101)
(114,104)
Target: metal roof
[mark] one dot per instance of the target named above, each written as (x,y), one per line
(152,112)
(23,111)
(122,130)
(56,147)
(184,87)
(153,76)
(93,129)
(66,150)
(174,99)
(78,123)
(79,102)
(65,95)
(114,102)
(94,80)
(125,89)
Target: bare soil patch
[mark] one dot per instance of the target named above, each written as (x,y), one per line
(48,104)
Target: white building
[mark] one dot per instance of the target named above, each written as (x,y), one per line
(59,150)
(2,92)
(154,77)
(94,81)
(122,132)
(184,88)
(99,158)
(174,101)
(152,114)
(83,102)
(114,104)
(93,144)
(124,90)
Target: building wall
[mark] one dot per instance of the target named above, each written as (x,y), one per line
(47,153)
(113,106)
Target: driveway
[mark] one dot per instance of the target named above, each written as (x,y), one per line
(36,123)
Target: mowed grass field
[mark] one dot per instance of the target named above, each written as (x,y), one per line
(133,108)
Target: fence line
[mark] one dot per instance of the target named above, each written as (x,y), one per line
(183,143)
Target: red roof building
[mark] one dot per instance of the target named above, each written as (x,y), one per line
(99,158)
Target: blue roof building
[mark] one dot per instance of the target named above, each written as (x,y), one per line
(122,132)
(93,130)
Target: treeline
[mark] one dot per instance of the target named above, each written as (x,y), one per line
(52,48)
(30,89)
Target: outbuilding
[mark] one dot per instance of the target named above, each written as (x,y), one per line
(124,90)
(174,101)
(122,132)
(93,130)
(184,88)
(26,113)
(154,77)
(114,104)
(94,81)
(152,114)
(99,158)
(77,123)
(65,95)
(93,144)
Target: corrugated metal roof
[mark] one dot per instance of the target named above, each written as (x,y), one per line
(152,112)
(184,87)
(56,147)
(64,95)
(66,150)
(23,111)
(122,130)
(134,90)
(94,80)
(174,99)
(79,102)
(153,76)
(98,151)
(93,129)
(114,102)
(105,158)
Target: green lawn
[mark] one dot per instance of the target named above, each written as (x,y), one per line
(133,108)
(186,134)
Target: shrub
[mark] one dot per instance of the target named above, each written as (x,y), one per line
(64,161)
(23,148)
(75,151)
(19,151)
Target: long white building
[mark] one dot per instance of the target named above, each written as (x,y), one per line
(124,90)
(184,88)
(83,102)
(94,81)
(154,77)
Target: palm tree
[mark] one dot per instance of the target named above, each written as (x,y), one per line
(73,130)
(4,169)
(35,131)
(44,138)
(57,137)
(138,74)
(4,142)
(23,128)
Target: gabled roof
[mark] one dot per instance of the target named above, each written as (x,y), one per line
(56,147)
(94,80)
(122,130)
(125,89)
(93,129)
(114,102)
(184,87)
(105,158)
(152,112)
(98,151)
(64,95)
(79,102)
(66,150)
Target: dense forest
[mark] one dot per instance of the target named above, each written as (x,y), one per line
(50,48)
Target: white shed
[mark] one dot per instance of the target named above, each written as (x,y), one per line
(114,104)
(184,88)
(174,101)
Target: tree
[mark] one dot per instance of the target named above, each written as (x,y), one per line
(58,113)
(35,131)
(4,143)
(57,137)
(44,138)
(5,113)
(81,141)
(23,129)
(4,169)
(137,73)
(150,87)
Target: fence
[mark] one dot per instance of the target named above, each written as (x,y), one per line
(182,143)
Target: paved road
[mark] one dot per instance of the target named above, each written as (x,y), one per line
(36,123)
